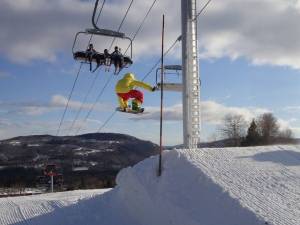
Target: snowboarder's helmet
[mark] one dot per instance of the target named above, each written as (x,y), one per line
(129,76)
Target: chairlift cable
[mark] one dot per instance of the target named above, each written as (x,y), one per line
(159,60)
(98,17)
(141,24)
(121,24)
(178,39)
(150,71)
(156,64)
(70,95)
(98,97)
(106,121)
(75,81)
(137,31)
(96,101)
(202,9)
(84,101)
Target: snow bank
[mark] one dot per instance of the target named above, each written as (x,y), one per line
(229,186)
(193,199)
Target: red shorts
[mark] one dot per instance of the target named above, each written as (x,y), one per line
(136,94)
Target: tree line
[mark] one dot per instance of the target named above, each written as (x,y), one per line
(263,130)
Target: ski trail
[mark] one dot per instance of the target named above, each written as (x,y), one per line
(19,210)
(263,187)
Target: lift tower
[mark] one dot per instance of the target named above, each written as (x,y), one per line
(190,75)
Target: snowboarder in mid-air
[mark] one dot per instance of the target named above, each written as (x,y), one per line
(125,91)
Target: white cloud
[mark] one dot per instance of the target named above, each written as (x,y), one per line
(5,123)
(172,113)
(296,131)
(57,102)
(95,121)
(11,128)
(61,101)
(291,124)
(212,112)
(40,29)
(267,36)
(27,108)
(35,110)
(292,109)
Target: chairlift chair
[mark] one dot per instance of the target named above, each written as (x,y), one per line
(168,86)
(99,58)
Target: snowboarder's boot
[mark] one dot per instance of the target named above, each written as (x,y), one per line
(135,106)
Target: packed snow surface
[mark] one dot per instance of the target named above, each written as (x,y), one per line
(228,186)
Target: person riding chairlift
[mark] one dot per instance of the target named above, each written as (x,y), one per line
(107,58)
(118,59)
(90,52)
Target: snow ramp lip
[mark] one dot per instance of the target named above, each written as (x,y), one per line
(184,194)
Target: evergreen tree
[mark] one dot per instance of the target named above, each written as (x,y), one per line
(252,137)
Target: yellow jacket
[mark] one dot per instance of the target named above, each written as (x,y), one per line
(127,83)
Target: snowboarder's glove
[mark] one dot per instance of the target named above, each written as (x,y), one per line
(154,89)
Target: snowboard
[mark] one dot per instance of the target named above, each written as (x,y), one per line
(129,110)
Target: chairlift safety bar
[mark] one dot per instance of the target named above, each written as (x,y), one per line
(175,87)
(173,67)
(167,67)
(102,32)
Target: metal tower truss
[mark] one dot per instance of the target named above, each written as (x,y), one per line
(191,81)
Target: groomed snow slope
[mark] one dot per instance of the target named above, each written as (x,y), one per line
(229,186)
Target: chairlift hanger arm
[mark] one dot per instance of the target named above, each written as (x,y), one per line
(106,32)
(94,15)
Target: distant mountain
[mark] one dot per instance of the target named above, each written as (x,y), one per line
(93,155)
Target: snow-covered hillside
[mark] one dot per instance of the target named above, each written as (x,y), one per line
(228,186)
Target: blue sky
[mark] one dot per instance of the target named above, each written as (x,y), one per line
(247,66)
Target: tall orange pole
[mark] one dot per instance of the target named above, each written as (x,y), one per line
(161,97)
